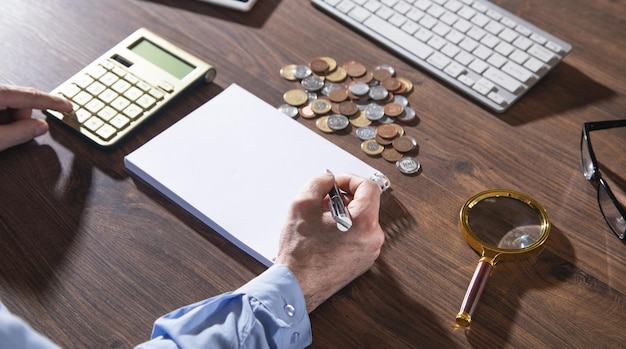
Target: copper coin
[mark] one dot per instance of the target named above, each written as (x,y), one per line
(348,108)
(366,78)
(391,155)
(338,95)
(404,144)
(332,63)
(318,65)
(355,69)
(383,141)
(393,109)
(306,112)
(387,131)
(391,84)
(381,74)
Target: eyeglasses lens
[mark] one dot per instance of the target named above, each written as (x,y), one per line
(612,215)
(587,163)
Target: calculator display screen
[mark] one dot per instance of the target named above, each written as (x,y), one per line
(162,58)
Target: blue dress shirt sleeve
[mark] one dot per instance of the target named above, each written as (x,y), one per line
(267,312)
(16,333)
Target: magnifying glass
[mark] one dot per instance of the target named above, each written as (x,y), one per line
(501,225)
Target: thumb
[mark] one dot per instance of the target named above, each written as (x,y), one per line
(21,131)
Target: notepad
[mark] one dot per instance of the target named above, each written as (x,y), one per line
(236,163)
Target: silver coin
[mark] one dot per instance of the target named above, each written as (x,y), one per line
(399,99)
(359,88)
(408,165)
(288,110)
(329,86)
(311,96)
(366,132)
(301,71)
(374,111)
(378,93)
(386,120)
(407,115)
(337,122)
(312,83)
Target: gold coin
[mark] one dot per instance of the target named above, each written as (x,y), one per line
(338,75)
(287,72)
(370,147)
(359,119)
(322,124)
(391,155)
(387,131)
(320,106)
(295,97)
(408,85)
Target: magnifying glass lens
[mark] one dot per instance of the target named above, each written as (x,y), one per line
(505,222)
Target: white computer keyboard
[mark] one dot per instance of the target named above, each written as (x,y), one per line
(486,52)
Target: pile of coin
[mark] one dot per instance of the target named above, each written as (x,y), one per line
(372,101)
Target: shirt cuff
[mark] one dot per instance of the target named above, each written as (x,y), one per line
(278,291)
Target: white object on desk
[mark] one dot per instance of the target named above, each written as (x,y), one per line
(240,5)
(236,163)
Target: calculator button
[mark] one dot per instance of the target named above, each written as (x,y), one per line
(119,71)
(82,115)
(166,86)
(143,86)
(109,79)
(70,90)
(107,113)
(133,93)
(96,88)
(106,132)
(107,96)
(120,121)
(93,123)
(120,103)
(156,94)
(131,78)
(108,65)
(84,81)
(120,86)
(97,71)
(133,111)
(94,105)
(82,98)
(146,102)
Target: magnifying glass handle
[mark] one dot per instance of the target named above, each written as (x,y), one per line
(475,289)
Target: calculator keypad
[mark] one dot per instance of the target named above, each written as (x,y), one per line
(108,98)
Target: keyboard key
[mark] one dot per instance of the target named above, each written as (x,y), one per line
(399,37)
(503,80)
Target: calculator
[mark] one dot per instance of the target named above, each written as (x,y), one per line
(128,84)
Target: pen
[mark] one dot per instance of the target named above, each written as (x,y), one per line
(337,209)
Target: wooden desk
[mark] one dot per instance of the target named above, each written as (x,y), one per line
(91,258)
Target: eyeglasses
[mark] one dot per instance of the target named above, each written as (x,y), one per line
(612,210)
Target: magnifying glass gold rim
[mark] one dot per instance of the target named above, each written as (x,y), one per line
(493,252)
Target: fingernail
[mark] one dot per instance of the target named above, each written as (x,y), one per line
(41,128)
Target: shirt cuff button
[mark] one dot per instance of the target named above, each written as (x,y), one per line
(289,310)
